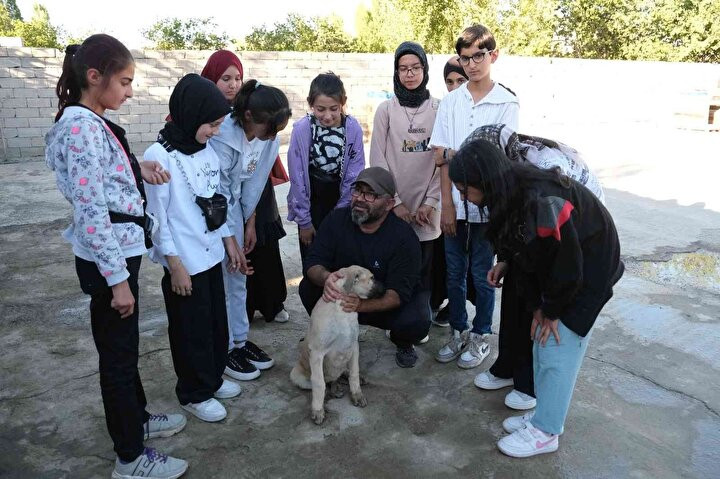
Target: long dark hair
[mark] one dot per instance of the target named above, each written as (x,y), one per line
(328,84)
(505,186)
(102,52)
(266,104)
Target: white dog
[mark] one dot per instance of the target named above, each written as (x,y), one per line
(331,346)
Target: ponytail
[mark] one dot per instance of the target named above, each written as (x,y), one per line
(266,105)
(69,88)
(101,52)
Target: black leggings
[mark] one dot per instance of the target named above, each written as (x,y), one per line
(116,340)
(515,358)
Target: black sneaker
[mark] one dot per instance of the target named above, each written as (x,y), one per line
(406,357)
(441,318)
(240,368)
(256,356)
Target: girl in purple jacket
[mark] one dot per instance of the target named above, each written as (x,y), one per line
(325,156)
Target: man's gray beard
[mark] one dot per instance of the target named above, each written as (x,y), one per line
(359,217)
(362,217)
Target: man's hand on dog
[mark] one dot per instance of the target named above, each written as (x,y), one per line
(332,293)
(350,303)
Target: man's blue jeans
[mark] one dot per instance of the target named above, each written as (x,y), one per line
(479,257)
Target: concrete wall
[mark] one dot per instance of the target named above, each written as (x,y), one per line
(551,91)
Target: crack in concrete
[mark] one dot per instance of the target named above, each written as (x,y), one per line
(661,386)
(666,253)
(34,395)
(102,458)
(152,351)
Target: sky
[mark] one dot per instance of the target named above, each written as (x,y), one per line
(127,18)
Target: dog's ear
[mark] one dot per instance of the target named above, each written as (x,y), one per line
(350,279)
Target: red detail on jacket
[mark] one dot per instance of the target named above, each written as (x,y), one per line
(562,218)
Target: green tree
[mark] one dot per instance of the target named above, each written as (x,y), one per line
(12,9)
(38,32)
(297,33)
(527,27)
(667,30)
(188,34)
(7,27)
(594,28)
(382,27)
(675,30)
(438,23)
(330,36)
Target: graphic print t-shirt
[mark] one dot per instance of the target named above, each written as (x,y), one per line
(327,147)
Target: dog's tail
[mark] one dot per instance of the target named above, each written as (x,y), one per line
(298,377)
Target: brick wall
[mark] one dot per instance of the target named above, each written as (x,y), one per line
(551,91)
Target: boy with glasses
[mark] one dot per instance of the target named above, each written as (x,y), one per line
(480,101)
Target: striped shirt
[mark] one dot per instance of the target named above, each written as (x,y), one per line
(458,116)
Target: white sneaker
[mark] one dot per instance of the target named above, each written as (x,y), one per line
(150,465)
(487,380)
(528,441)
(520,401)
(514,423)
(477,350)
(453,348)
(163,425)
(228,390)
(209,411)
(282,317)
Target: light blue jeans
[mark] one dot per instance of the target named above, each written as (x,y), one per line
(236,290)
(556,368)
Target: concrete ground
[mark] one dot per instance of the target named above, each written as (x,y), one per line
(647,402)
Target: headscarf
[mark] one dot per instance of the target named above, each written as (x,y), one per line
(194,102)
(453,67)
(411,98)
(218,62)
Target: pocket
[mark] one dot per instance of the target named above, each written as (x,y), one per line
(91,281)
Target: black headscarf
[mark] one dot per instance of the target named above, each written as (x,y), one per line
(453,67)
(194,102)
(411,98)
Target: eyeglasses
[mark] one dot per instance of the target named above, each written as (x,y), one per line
(369,196)
(405,70)
(476,58)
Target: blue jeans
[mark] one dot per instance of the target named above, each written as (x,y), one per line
(480,259)
(556,368)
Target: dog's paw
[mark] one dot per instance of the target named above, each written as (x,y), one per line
(318,415)
(359,400)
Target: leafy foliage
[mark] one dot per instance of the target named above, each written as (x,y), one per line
(12,9)
(298,33)
(38,32)
(186,34)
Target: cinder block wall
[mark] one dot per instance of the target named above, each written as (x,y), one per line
(551,91)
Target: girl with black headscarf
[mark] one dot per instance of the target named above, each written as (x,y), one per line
(401,144)
(190,242)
